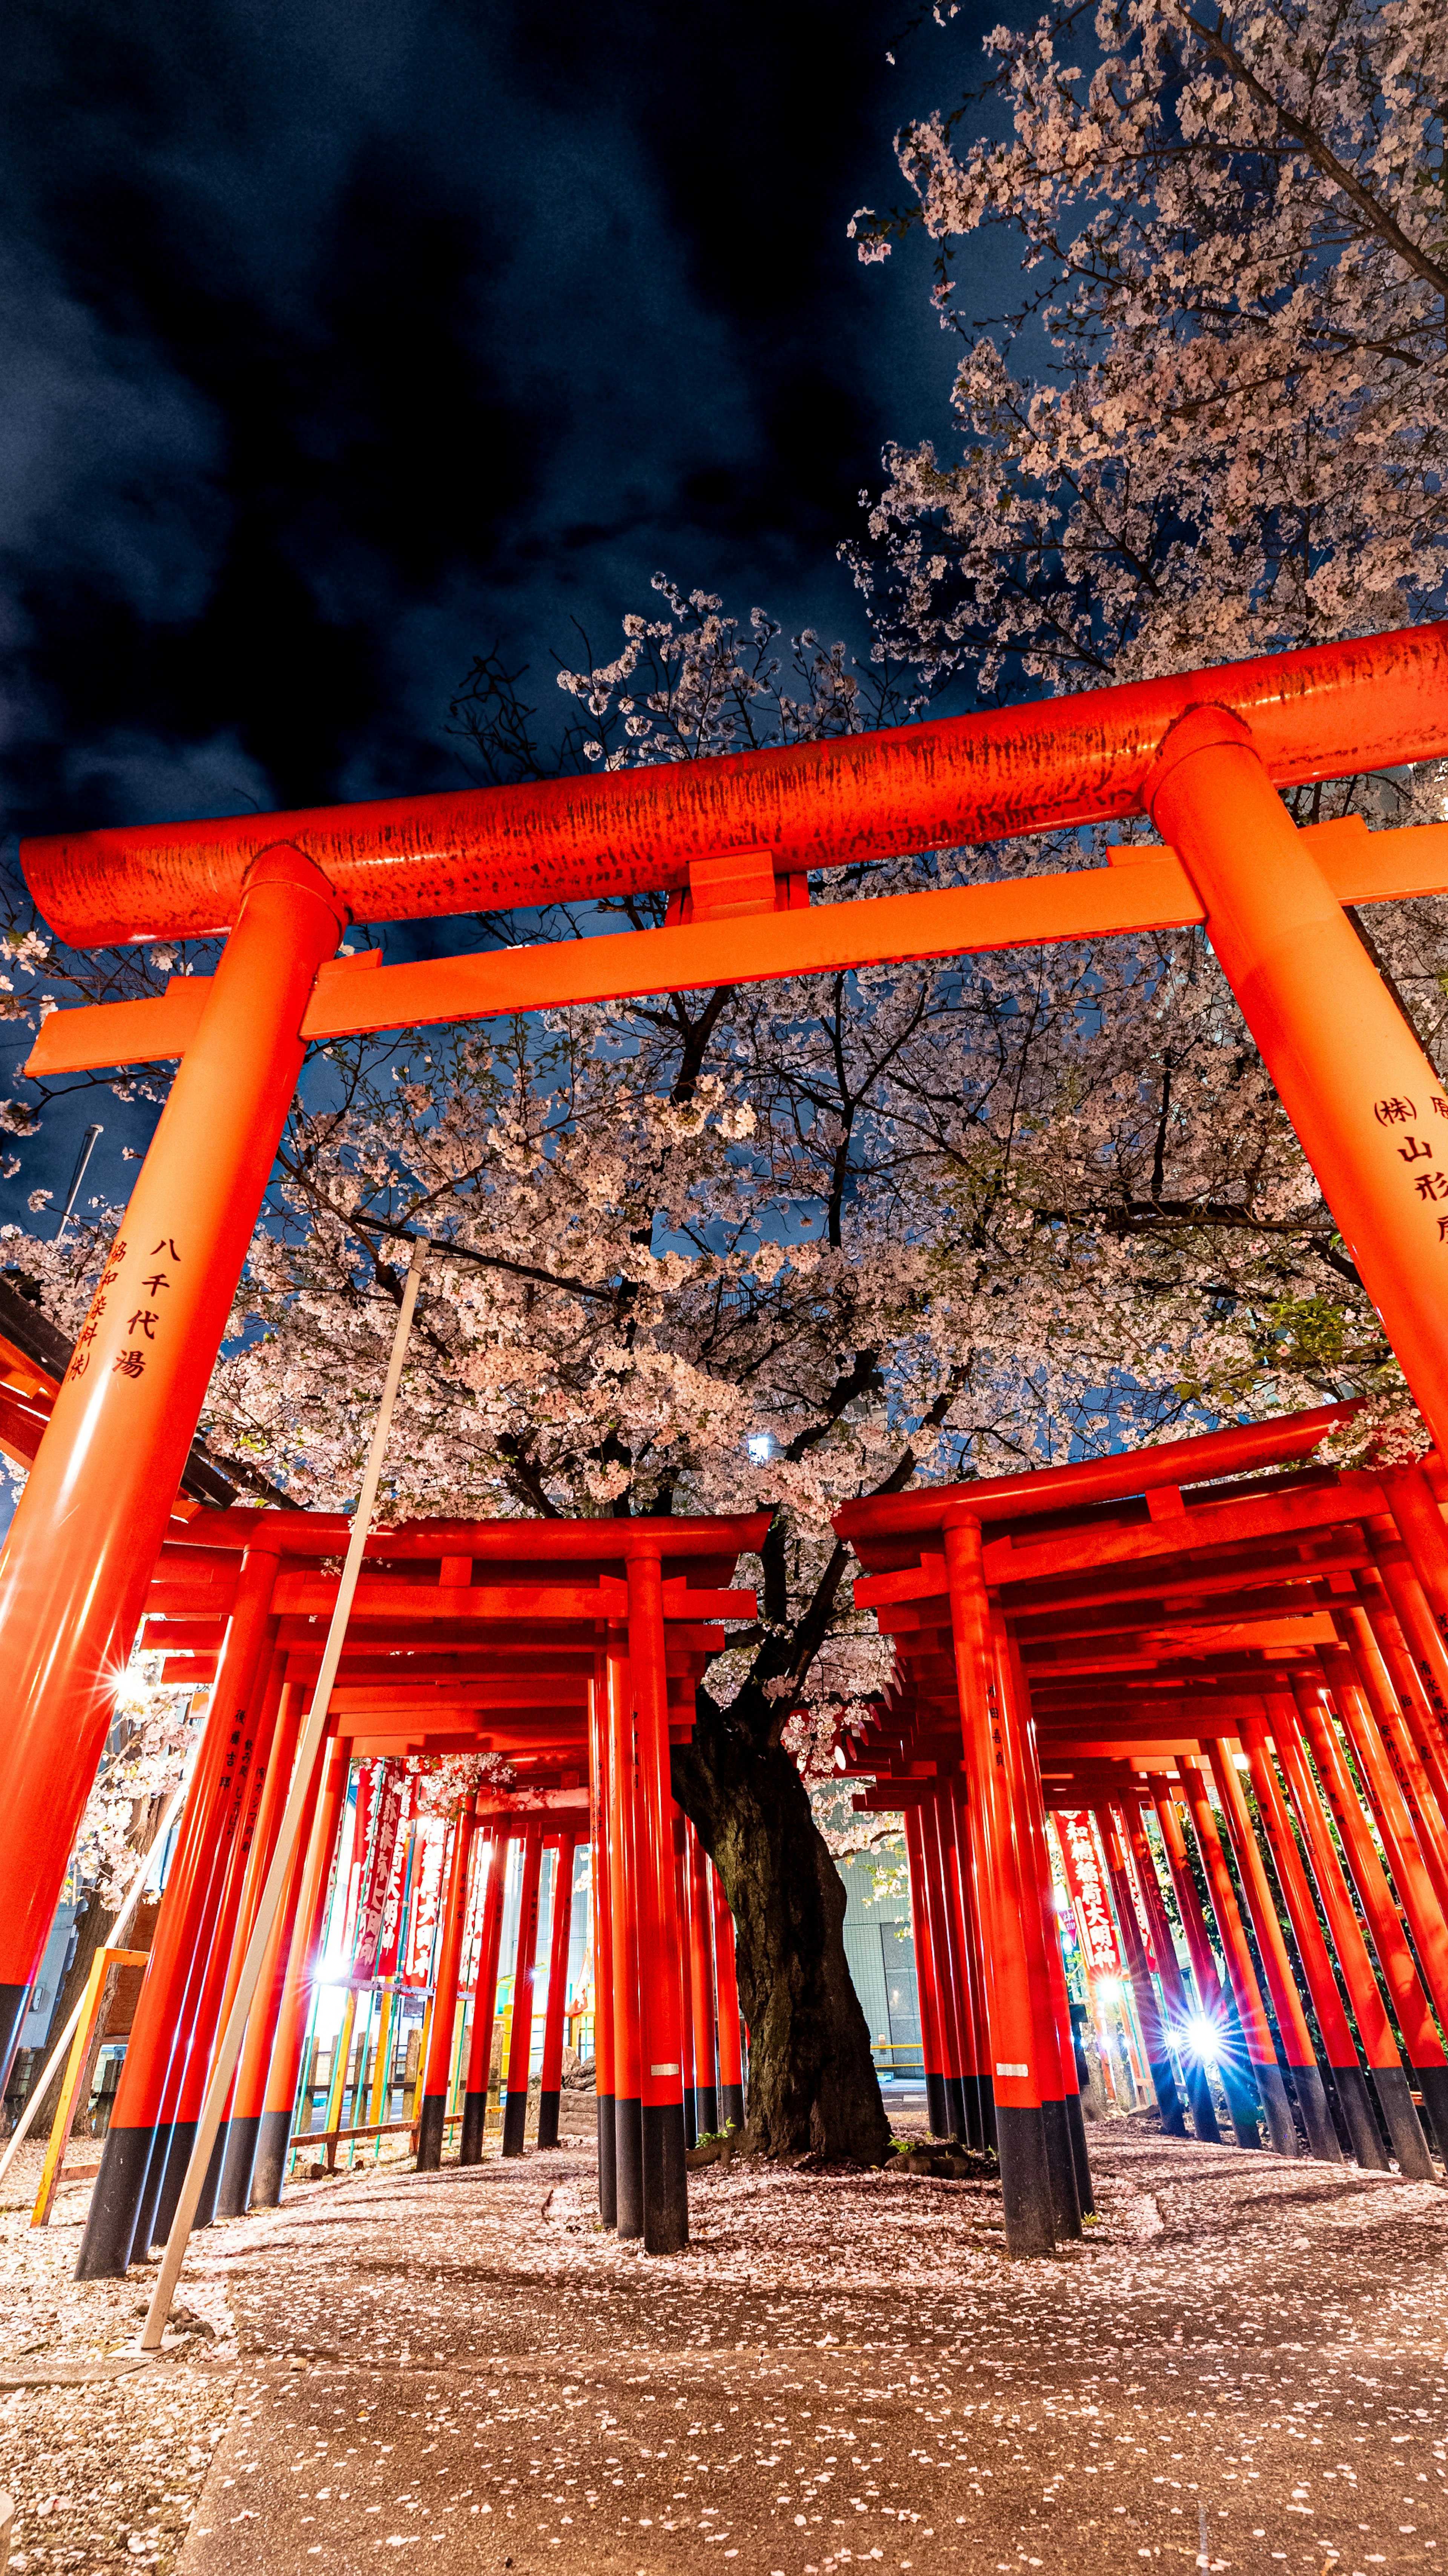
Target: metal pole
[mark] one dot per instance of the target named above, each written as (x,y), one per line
(272,1893)
(89,1142)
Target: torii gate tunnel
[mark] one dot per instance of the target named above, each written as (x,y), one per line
(1203,754)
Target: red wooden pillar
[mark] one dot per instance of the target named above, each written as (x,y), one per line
(135,2146)
(666,2195)
(432,2120)
(1414,1507)
(1251,2011)
(1060,2091)
(1173,1986)
(1302,2065)
(938,1848)
(90,1523)
(249,2098)
(190,2064)
(1148,2014)
(1416,1893)
(628,2042)
(686,1982)
(1342,2058)
(1413,1688)
(1422,1643)
(731,2054)
(600,1876)
(559,1933)
(975,2027)
(269,2171)
(927,1976)
(485,2001)
(271,1787)
(701,1972)
(972,2043)
(1221,2044)
(1021,2057)
(1339,1050)
(1424,2048)
(1379,2047)
(520,2043)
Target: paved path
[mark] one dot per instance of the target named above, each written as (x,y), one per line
(1241,2369)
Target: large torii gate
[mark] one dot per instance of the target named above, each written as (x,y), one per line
(1203,754)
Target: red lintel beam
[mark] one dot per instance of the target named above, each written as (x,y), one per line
(1191,1462)
(1150,891)
(1334,710)
(322,1534)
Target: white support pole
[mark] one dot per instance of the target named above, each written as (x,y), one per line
(224,2063)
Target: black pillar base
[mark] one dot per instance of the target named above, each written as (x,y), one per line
(430,2130)
(666,2180)
(691,2128)
(1241,2106)
(1168,2100)
(14,2005)
(206,2205)
(607,2162)
(1433,2085)
(990,2136)
(1355,2103)
(269,2167)
(731,2106)
(1312,2102)
(475,2121)
(234,2189)
(515,2121)
(1281,2127)
(120,2188)
(1075,2122)
(706,2110)
(1025,2182)
(1060,2156)
(936,2108)
(547,2119)
(1204,2109)
(628,2165)
(955,2112)
(979,2130)
(1400,2119)
(167,2176)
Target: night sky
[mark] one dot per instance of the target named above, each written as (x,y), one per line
(344,341)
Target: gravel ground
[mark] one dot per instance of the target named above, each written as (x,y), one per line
(1242,2368)
(104,2472)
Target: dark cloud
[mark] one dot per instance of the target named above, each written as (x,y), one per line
(343,340)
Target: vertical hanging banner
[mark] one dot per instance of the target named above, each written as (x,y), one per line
(1087,1882)
(389,1799)
(364,1802)
(431,1836)
(1133,1881)
(399,1891)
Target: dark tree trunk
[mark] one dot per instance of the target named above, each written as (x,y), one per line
(812,2080)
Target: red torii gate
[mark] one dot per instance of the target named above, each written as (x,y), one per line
(1203,754)
(1095,1637)
(573,1646)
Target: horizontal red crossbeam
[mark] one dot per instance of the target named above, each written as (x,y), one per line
(1327,713)
(1149,890)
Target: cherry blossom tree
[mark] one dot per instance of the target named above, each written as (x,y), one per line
(812,1239)
(1212,422)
